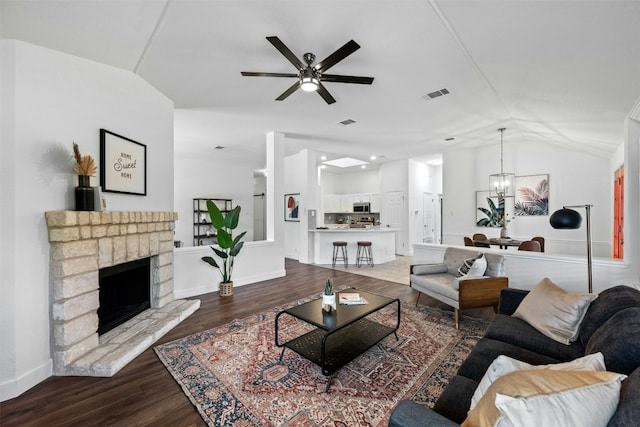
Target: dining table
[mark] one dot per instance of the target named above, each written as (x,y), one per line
(502,243)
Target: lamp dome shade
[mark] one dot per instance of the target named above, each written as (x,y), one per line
(565,219)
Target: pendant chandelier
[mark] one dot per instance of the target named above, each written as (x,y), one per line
(502,184)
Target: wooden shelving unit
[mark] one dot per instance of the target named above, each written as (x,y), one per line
(203,231)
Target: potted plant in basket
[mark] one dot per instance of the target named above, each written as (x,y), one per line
(229,247)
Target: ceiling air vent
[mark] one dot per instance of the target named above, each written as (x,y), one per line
(449,139)
(431,95)
(347,122)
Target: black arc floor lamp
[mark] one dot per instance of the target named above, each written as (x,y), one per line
(568,219)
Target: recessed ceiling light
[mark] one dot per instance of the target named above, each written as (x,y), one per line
(363,166)
(323,158)
(345,162)
(373,157)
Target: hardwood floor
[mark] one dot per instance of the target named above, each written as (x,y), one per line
(144,393)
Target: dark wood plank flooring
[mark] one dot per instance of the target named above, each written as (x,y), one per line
(144,393)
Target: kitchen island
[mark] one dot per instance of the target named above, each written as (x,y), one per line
(383,243)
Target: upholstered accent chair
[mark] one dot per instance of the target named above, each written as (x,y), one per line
(540,240)
(443,282)
(530,245)
(480,240)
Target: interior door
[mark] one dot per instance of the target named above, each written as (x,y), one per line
(618,214)
(394,216)
(428,223)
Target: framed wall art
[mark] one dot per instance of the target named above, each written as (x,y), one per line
(291,207)
(123,164)
(489,211)
(532,195)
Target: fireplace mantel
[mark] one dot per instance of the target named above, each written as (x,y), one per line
(81,243)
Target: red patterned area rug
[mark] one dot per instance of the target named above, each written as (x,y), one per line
(234,376)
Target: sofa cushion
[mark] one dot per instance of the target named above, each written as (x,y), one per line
(504,365)
(487,350)
(609,302)
(619,341)
(545,398)
(454,258)
(429,268)
(473,267)
(519,333)
(495,265)
(454,401)
(435,283)
(628,412)
(553,311)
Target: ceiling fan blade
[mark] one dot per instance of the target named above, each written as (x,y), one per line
(334,78)
(324,93)
(259,74)
(277,43)
(347,49)
(289,91)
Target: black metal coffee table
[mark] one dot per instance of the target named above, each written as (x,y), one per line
(340,335)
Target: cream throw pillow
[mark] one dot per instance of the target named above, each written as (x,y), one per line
(504,365)
(536,398)
(553,311)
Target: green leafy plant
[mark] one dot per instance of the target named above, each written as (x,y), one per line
(495,214)
(328,287)
(229,246)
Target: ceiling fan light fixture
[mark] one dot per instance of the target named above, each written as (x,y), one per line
(308,81)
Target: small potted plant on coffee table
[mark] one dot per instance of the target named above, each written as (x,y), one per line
(329,296)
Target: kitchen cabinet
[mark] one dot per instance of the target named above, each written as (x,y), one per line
(203,231)
(346,203)
(331,203)
(375,202)
(361,198)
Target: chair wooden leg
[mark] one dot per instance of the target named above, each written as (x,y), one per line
(418,299)
(456,315)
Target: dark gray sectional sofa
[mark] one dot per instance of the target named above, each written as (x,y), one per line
(611,326)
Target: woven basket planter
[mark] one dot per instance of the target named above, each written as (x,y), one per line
(226,289)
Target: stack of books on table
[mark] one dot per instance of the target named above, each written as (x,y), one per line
(351,298)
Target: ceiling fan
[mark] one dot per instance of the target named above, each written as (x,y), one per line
(310,77)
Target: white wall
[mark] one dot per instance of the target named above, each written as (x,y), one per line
(574,178)
(50,100)
(214,177)
(361,181)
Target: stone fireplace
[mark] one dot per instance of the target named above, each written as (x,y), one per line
(82,243)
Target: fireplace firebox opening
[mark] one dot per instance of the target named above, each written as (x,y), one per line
(124,291)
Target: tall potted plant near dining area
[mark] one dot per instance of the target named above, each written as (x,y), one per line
(228,246)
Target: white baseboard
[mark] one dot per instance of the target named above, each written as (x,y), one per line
(15,387)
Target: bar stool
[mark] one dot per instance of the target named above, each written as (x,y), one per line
(337,247)
(364,254)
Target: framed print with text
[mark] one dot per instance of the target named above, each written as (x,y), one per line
(123,164)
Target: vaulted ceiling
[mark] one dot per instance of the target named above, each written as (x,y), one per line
(559,72)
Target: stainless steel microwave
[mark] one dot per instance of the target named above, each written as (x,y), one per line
(362,207)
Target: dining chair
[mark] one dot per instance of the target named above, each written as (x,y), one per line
(468,241)
(530,245)
(540,240)
(480,240)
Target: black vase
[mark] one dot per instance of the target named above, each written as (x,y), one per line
(84,194)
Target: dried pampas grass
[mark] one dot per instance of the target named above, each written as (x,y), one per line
(85,165)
